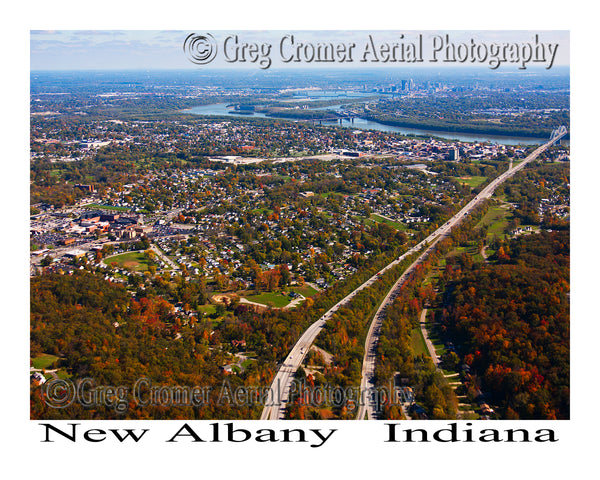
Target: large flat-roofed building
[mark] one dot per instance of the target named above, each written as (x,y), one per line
(143,229)
(91,216)
(109,217)
(74,253)
(123,222)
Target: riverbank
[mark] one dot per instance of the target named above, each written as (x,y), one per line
(363,123)
(541,135)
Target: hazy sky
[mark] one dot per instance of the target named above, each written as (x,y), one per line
(163,49)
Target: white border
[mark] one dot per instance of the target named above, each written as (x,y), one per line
(359,452)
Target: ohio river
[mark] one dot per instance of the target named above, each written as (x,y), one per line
(221,109)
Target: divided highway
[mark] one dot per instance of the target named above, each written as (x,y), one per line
(278,394)
(367,407)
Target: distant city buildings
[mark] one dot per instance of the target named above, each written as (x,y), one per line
(454,154)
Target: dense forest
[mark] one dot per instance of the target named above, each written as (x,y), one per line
(510,323)
(99,332)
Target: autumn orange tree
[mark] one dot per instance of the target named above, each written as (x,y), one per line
(510,320)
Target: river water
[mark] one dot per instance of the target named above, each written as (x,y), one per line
(221,109)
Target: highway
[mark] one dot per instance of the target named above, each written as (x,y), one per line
(280,387)
(367,407)
(278,394)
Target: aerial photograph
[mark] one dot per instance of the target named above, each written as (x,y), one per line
(299,225)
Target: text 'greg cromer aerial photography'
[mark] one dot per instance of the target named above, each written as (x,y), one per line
(299,225)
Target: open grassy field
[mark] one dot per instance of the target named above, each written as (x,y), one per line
(246,363)
(44,360)
(472,182)
(417,342)
(305,290)
(469,250)
(208,309)
(135,261)
(263,211)
(379,219)
(95,206)
(270,299)
(497,217)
